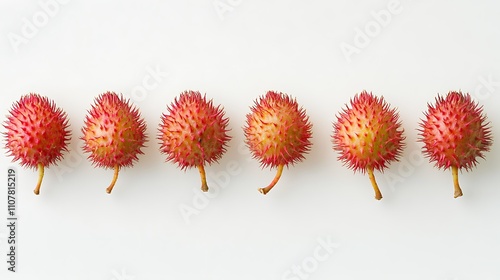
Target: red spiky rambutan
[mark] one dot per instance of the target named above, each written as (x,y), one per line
(455,134)
(193,133)
(37,133)
(368,136)
(114,133)
(277,132)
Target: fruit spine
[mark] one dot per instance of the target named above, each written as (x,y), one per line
(193,133)
(277,132)
(455,134)
(368,136)
(37,133)
(113,133)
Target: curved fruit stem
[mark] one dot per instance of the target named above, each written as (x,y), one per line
(204,185)
(115,177)
(458,190)
(41,170)
(378,194)
(275,180)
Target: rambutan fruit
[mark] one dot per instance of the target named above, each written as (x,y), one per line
(37,133)
(113,133)
(455,134)
(278,133)
(193,133)
(368,135)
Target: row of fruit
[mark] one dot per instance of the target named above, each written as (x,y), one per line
(193,132)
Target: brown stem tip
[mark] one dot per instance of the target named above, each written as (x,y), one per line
(115,177)
(40,178)
(275,180)
(458,190)
(204,185)
(378,194)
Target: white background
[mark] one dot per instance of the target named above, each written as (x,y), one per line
(74,230)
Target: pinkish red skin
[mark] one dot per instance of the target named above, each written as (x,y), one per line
(455,132)
(277,131)
(368,134)
(37,131)
(194,131)
(114,132)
